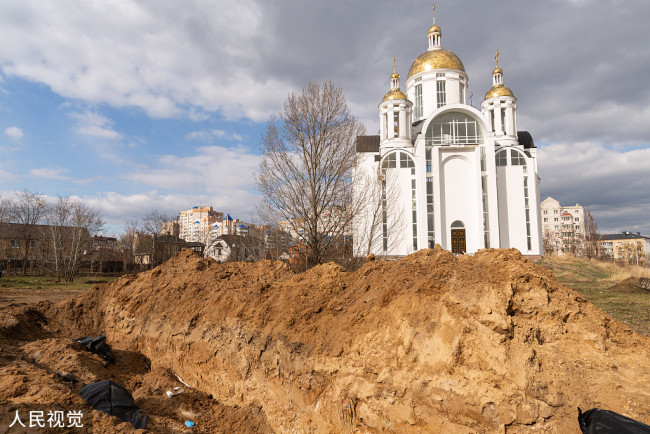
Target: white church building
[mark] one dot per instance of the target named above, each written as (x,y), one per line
(444,172)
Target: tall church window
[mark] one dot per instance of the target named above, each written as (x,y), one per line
(502,158)
(396,123)
(418,101)
(484,197)
(527,208)
(390,162)
(461,93)
(431,234)
(454,128)
(440,93)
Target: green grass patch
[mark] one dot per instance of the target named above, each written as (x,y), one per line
(611,288)
(80,283)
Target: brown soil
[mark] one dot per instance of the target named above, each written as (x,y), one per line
(430,343)
(628,285)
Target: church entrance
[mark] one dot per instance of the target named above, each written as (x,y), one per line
(458,237)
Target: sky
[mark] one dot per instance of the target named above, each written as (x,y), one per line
(134,106)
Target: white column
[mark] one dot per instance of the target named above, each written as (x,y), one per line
(498,128)
(402,121)
(391,120)
(509,127)
(382,125)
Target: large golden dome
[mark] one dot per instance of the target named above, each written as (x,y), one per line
(435,59)
(498,90)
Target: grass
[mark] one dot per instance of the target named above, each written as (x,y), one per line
(609,286)
(81,283)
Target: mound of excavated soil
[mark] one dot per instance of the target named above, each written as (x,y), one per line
(430,343)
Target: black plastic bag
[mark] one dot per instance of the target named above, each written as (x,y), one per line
(115,400)
(597,421)
(98,346)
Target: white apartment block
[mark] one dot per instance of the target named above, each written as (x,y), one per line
(195,224)
(562,226)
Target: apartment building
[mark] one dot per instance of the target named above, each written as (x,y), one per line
(563,227)
(632,248)
(195,224)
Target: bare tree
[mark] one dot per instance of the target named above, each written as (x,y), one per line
(128,242)
(67,235)
(591,235)
(153,226)
(27,210)
(308,157)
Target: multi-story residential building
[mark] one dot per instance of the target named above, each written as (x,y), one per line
(563,226)
(195,224)
(626,247)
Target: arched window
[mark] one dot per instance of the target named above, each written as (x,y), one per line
(454,128)
(405,161)
(517,158)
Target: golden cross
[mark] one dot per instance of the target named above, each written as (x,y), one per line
(497,57)
(471,99)
(394,70)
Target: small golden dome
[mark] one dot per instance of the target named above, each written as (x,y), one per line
(434,29)
(498,90)
(435,59)
(394,75)
(394,94)
(497,70)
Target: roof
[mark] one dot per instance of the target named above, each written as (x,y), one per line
(525,139)
(368,143)
(623,236)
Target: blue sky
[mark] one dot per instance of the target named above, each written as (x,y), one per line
(133,106)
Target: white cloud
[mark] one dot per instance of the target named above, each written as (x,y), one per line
(213,170)
(14,133)
(47,173)
(117,208)
(208,136)
(94,125)
(613,184)
(165,58)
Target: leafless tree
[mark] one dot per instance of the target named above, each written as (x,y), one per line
(152,225)
(128,242)
(592,237)
(67,235)
(27,210)
(308,157)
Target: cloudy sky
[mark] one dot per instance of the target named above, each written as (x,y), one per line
(159,104)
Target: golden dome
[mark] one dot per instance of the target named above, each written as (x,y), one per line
(394,75)
(498,90)
(394,94)
(497,70)
(435,59)
(434,28)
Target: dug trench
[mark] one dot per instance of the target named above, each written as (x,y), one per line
(430,343)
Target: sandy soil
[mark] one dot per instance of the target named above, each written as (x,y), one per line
(430,343)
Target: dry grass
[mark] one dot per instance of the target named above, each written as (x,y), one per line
(609,286)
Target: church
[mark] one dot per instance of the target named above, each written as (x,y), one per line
(444,172)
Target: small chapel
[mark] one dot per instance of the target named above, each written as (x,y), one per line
(444,172)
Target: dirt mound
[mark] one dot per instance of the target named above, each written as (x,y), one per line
(430,343)
(628,285)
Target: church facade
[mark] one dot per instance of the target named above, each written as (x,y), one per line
(444,172)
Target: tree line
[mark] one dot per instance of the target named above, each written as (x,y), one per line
(53,235)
